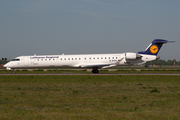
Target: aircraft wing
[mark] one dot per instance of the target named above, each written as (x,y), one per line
(98,65)
(93,65)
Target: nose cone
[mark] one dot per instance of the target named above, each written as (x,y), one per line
(7,65)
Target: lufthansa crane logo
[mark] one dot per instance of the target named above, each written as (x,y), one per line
(154,49)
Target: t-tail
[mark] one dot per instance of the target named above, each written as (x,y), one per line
(154,47)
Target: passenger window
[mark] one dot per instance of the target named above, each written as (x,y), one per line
(79,58)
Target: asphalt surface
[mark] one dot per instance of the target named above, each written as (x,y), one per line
(174,74)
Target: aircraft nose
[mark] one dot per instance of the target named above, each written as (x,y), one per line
(7,65)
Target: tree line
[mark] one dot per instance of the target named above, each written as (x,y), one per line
(3,62)
(163,62)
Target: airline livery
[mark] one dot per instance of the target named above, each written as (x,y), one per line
(93,61)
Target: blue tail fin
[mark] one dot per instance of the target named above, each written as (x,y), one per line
(154,47)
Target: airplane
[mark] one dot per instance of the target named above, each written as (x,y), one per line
(93,61)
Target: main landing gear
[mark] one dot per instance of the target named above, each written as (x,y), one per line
(95,70)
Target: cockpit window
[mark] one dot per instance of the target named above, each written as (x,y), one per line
(15,59)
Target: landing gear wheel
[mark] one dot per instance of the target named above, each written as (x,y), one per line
(14,71)
(95,71)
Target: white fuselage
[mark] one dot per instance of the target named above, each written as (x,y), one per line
(79,61)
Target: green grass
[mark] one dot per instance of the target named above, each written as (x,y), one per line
(89,97)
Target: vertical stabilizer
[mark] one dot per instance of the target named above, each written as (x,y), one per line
(154,47)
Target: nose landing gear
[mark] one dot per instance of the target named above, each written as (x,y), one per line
(14,71)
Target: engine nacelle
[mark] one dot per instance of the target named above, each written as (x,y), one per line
(132,56)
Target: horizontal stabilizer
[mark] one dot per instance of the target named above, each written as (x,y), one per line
(162,41)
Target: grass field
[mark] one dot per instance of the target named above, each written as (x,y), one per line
(89,97)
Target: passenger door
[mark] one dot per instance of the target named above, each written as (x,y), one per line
(26,61)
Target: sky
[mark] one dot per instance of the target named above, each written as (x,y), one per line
(45,27)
